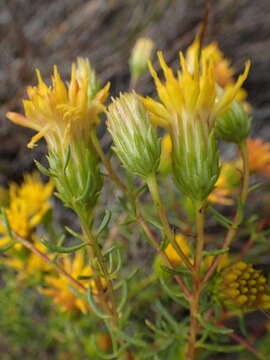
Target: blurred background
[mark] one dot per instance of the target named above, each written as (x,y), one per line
(41,33)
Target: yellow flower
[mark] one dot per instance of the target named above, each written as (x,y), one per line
(192,93)
(173,255)
(59,286)
(62,112)
(165,163)
(259,156)
(30,264)
(27,205)
(223,70)
(226,184)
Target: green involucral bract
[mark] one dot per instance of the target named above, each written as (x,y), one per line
(135,138)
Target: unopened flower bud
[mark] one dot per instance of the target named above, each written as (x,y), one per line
(141,54)
(241,286)
(135,138)
(195,160)
(234,124)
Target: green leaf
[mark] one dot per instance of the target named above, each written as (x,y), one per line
(86,190)
(66,158)
(222,348)
(179,271)
(124,296)
(220,218)
(77,293)
(6,247)
(61,249)
(175,296)
(6,224)
(242,325)
(213,328)
(254,187)
(161,309)
(94,307)
(110,250)
(215,252)
(73,233)
(104,223)
(42,169)
(130,339)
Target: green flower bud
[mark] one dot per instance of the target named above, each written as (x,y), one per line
(195,158)
(77,176)
(135,138)
(141,54)
(234,125)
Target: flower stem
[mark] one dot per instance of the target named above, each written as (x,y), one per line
(154,191)
(238,216)
(196,281)
(46,259)
(106,162)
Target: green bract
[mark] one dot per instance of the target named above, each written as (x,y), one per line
(234,125)
(135,138)
(195,159)
(77,176)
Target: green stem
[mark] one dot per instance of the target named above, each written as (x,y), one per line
(154,191)
(238,216)
(96,254)
(200,236)
(196,281)
(107,163)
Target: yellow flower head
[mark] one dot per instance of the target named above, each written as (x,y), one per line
(173,255)
(194,92)
(27,205)
(29,265)
(243,286)
(259,156)
(61,112)
(59,285)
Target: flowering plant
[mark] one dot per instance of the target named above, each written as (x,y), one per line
(88,270)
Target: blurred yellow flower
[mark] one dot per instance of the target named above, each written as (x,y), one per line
(259,156)
(193,92)
(59,285)
(61,112)
(29,264)
(173,255)
(226,184)
(28,203)
(165,163)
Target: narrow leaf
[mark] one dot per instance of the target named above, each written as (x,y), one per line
(215,252)
(94,307)
(104,223)
(61,249)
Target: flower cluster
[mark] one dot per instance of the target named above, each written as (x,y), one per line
(190,104)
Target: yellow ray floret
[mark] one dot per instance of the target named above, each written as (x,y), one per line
(194,92)
(28,203)
(58,285)
(59,112)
